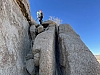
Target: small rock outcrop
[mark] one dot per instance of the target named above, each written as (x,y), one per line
(45,24)
(40,29)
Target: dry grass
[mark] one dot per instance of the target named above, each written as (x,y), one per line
(98,58)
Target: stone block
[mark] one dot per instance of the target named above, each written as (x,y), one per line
(36,59)
(40,29)
(30,66)
(33,32)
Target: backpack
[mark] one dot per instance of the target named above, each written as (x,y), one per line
(41,14)
(38,14)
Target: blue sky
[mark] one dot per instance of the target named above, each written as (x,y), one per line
(82,15)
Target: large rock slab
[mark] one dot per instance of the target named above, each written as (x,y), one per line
(14,40)
(75,57)
(44,44)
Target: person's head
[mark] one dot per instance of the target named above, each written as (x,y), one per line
(40,11)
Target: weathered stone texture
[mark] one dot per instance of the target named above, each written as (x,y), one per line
(40,29)
(33,32)
(47,23)
(44,45)
(75,57)
(14,41)
(36,59)
(30,66)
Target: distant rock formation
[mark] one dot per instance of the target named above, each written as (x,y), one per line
(98,58)
(28,48)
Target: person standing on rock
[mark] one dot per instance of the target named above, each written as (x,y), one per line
(40,16)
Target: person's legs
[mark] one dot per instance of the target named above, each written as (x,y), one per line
(41,20)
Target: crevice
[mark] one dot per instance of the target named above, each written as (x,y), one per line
(23,9)
(29,33)
(36,70)
(57,55)
(63,56)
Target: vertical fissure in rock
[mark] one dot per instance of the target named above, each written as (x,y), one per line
(57,55)
(36,70)
(23,9)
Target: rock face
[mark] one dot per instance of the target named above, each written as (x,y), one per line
(26,48)
(44,44)
(75,57)
(14,40)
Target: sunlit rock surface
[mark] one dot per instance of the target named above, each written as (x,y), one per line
(14,40)
(75,57)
